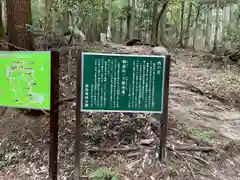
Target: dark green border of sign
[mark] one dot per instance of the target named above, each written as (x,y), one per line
(123,55)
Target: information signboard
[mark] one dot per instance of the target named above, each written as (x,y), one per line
(122,83)
(25,79)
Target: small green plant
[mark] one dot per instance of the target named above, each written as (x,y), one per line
(104,173)
(202,134)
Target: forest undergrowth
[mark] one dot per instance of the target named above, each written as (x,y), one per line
(203,138)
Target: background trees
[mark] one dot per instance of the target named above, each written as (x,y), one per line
(204,25)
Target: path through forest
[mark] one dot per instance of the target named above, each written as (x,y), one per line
(203,113)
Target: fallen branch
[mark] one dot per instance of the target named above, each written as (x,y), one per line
(195,89)
(3,112)
(94,150)
(192,148)
(45,112)
(19,48)
(187,148)
(188,165)
(198,158)
(69,99)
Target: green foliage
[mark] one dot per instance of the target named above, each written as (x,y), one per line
(205,135)
(232,35)
(104,173)
(37,19)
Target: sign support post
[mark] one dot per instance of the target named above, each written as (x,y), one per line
(54,115)
(78,132)
(164,115)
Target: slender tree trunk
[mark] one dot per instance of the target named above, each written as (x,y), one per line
(154,23)
(155,31)
(160,16)
(214,50)
(1,23)
(162,29)
(128,20)
(18,16)
(131,33)
(181,25)
(104,16)
(109,29)
(54,20)
(48,16)
(238,17)
(196,23)
(121,30)
(209,30)
(187,35)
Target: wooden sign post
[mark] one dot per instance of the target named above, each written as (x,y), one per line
(54,115)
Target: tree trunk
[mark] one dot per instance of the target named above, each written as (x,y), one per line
(4,15)
(109,29)
(209,30)
(132,22)
(187,35)
(48,17)
(18,16)
(121,30)
(154,23)
(104,17)
(196,23)
(214,50)
(155,32)
(238,16)
(181,24)
(162,29)
(1,23)
(128,20)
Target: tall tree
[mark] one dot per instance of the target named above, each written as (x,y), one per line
(19,16)
(1,22)
(208,42)
(214,50)
(187,35)
(128,21)
(181,24)
(156,21)
(197,24)
(132,23)
(109,29)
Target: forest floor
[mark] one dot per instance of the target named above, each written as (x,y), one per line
(203,138)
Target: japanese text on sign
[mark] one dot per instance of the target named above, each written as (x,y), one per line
(122,83)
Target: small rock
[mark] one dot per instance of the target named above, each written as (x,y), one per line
(159,50)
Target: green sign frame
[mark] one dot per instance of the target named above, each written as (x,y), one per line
(25,79)
(143,77)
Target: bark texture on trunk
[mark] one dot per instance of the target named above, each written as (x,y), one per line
(18,17)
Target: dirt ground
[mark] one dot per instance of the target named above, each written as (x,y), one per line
(203,137)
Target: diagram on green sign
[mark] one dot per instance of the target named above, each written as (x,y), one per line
(26,81)
(21,78)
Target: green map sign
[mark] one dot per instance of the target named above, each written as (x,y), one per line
(122,83)
(25,79)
